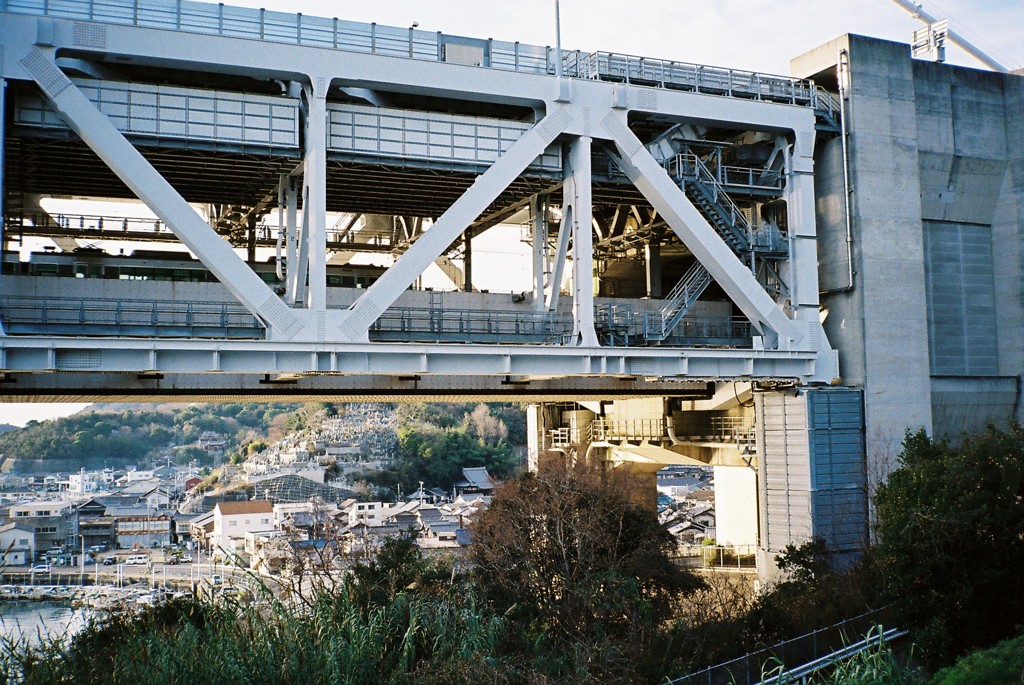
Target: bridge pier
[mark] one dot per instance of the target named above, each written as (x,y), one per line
(788,463)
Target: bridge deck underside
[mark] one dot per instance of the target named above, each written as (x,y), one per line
(66,166)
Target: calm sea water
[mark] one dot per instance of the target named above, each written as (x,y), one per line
(34,621)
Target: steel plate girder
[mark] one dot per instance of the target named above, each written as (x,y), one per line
(85,356)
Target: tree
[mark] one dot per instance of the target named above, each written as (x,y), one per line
(951,528)
(569,552)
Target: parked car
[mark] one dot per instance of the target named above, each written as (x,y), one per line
(173,561)
(110,561)
(137,560)
(186,558)
(41,568)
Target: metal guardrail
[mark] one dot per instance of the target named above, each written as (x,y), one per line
(684,165)
(761,238)
(299,29)
(734,429)
(802,673)
(804,649)
(469,325)
(635,429)
(26,315)
(99,316)
(722,556)
(697,78)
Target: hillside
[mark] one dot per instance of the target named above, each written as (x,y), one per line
(110,435)
(434,441)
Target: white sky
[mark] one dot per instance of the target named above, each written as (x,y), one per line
(757,35)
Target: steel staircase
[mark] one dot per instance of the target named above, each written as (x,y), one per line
(704,191)
(677,302)
(708,195)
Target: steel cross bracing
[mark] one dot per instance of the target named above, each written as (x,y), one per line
(329,116)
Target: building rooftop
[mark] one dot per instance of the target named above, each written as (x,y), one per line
(236,508)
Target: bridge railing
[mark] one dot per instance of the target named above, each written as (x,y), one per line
(299,29)
(469,325)
(99,316)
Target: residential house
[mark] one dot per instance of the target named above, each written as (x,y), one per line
(138,527)
(232,520)
(17,544)
(159,497)
(94,525)
(52,520)
(200,529)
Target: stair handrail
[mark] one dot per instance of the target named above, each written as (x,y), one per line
(720,196)
(681,290)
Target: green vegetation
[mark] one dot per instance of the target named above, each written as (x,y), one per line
(875,665)
(571,581)
(142,436)
(436,441)
(570,555)
(951,528)
(1001,664)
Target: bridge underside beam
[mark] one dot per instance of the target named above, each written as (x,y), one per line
(228,387)
(26,354)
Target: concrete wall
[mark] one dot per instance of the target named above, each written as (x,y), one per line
(735,505)
(935,152)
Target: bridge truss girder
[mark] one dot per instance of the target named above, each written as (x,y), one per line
(334,341)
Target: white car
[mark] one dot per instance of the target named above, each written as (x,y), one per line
(41,568)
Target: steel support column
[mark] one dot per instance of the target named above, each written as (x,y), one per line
(3,145)
(467,276)
(698,236)
(560,256)
(578,188)
(314,210)
(803,245)
(538,210)
(652,268)
(292,247)
(382,294)
(103,138)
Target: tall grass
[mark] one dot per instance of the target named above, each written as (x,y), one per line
(334,642)
(874,665)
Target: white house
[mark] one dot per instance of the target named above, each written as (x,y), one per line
(232,520)
(17,544)
(82,482)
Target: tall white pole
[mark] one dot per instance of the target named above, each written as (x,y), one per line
(558,41)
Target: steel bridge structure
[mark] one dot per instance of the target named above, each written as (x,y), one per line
(669,210)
